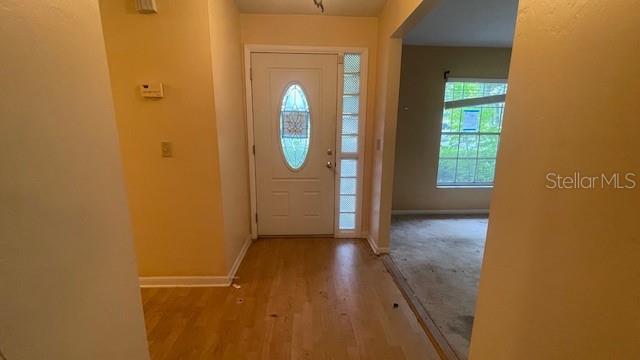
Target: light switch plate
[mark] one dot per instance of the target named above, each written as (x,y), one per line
(166,149)
(146,6)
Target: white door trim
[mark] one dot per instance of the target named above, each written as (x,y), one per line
(260,48)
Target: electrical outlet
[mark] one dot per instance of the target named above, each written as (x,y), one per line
(166,149)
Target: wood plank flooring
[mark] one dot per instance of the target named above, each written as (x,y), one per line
(300,299)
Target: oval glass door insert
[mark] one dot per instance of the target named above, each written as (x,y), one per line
(295,127)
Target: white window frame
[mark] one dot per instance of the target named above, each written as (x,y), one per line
(362,121)
(463,103)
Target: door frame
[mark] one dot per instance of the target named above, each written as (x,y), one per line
(339,51)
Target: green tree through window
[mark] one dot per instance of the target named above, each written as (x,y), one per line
(471,126)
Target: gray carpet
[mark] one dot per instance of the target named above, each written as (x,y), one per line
(441,257)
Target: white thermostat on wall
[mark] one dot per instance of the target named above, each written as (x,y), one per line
(152,90)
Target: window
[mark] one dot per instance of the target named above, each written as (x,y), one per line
(295,126)
(471,126)
(349,155)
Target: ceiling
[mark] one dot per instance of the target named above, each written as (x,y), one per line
(481,23)
(332,7)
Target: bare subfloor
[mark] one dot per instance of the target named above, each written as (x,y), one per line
(440,257)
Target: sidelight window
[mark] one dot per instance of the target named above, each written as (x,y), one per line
(350,144)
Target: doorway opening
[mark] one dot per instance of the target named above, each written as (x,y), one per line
(451,108)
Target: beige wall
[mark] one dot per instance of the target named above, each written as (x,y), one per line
(418,132)
(67,268)
(227,62)
(194,217)
(176,203)
(335,31)
(560,274)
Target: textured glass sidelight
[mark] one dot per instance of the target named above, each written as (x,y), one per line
(295,126)
(349,143)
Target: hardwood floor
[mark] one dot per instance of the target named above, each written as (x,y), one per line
(300,299)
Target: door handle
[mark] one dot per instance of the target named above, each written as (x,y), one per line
(329,164)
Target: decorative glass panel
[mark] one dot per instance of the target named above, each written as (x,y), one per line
(350,104)
(351,83)
(347,203)
(351,63)
(350,125)
(348,168)
(348,186)
(295,126)
(347,221)
(349,143)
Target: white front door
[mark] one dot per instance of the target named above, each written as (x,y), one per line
(294,115)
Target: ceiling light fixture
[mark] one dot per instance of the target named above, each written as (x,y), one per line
(319,5)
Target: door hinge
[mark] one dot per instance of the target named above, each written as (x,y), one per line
(340,59)
(254,149)
(250,74)
(256,217)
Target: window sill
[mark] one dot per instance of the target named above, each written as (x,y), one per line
(464,186)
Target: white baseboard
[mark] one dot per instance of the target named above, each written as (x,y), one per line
(239,258)
(197,281)
(356,235)
(376,249)
(441,212)
(183,281)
